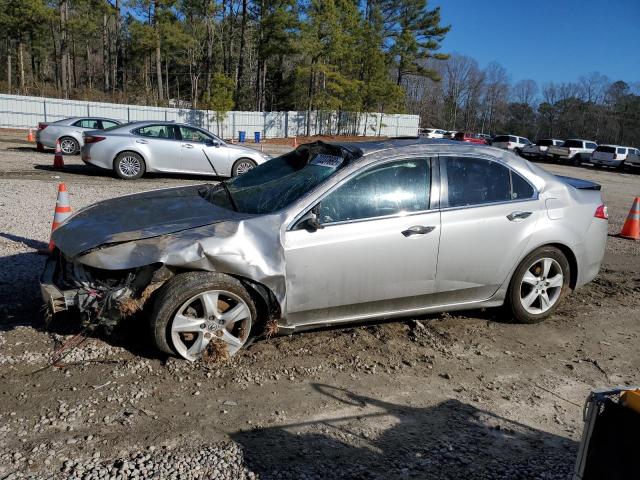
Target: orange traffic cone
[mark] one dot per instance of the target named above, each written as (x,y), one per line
(631,228)
(61,213)
(58,161)
(31,137)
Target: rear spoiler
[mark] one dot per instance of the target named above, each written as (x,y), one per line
(579,183)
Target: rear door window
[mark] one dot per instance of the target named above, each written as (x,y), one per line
(592,145)
(622,151)
(500,139)
(475,181)
(573,144)
(156,131)
(89,123)
(524,141)
(389,189)
(513,139)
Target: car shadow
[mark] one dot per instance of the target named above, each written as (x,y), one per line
(30,149)
(87,170)
(378,439)
(93,171)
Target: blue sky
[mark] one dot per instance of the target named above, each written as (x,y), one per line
(547,40)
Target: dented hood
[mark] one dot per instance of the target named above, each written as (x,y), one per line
(138,216)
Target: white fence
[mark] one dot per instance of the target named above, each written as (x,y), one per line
(24,112)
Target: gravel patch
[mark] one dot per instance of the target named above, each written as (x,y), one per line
(222,461)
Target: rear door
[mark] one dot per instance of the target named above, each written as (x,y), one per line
(377,252)
(488,214)
(160,146)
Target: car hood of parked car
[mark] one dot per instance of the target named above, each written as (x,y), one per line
(138,216)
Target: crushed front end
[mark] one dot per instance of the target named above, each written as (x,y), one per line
(99,295)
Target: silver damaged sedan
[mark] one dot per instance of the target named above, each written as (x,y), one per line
(331,233)
(133,149)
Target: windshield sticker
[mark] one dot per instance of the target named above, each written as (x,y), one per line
(324,160)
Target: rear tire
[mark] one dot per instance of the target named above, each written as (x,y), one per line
(534,294)
(69,145)
(129,166)
(576,161)
(242,165)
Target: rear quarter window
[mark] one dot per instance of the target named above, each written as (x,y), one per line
(622,151)
(501,138)
(573,144)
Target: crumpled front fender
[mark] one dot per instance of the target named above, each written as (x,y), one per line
(249,248)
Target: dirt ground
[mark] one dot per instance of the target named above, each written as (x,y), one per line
(445,396)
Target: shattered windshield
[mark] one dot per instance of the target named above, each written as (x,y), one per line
(278,182)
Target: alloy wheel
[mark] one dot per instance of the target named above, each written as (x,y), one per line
(244,167)
(68,146)
(210,316)
(129,166)
(541,286)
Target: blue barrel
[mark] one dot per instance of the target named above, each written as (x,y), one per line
(256,137)
(242,136)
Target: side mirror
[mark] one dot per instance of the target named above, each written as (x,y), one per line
(212,143)
(310,223)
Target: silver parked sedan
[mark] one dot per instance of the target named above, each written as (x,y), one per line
(133,149)
(332,234)
(69,132)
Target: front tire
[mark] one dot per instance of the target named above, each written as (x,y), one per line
(538,285)
(69,145)
(129,166)
(194,311)
(242,165)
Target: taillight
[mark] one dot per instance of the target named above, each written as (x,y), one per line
(93,139)
(42,125)
(601,212)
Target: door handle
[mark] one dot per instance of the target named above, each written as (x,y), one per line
(187,145)
(517,216)
(142,141)
(418,230)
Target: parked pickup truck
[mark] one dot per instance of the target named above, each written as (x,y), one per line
(573,151)
(539,149)
(614,156)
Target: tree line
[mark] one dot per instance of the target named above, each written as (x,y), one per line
(261,55)
(274,55)
(484,100)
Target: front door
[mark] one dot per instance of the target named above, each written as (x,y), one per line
(194,145)
(377,252)
(489,213)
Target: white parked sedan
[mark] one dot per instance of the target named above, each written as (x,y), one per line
(133,149)
(69,132)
